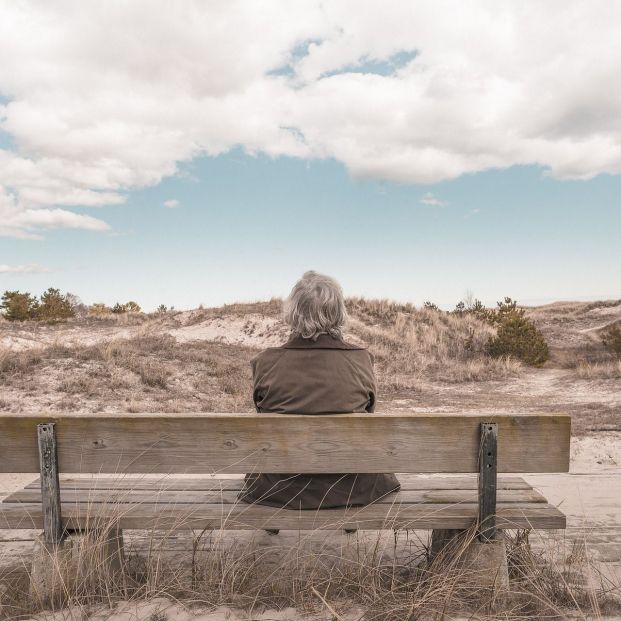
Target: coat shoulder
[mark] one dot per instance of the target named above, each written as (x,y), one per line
(269,355)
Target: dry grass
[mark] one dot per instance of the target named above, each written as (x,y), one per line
(151,371)
(388,576)
(574,329)
(412,344)
(271,308)
(144,373)
(610,369)
(18,363)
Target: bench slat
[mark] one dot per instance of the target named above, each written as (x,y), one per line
(215,516)
(161,497)
(408,482)
(282,443)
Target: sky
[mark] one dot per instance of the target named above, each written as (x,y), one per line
(203,153)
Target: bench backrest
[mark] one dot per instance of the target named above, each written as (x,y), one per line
(284,443)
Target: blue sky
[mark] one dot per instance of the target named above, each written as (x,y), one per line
(248,226)
(417,154)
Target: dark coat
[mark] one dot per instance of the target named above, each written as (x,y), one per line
(315,377)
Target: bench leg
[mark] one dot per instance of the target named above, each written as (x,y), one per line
(102,561)
(443,540)
(481,565)
(91,560)
(54,570)
(113,550)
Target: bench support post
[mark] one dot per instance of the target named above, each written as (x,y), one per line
(50,485)
(488,475)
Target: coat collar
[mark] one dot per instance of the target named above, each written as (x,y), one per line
(324,341)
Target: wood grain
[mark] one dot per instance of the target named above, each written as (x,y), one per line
(177,483)
(240,517)
(284,443)
(161,497)
(488,475)
(49,491)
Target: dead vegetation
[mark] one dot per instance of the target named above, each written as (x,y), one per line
(425,358)
(575,330)
(411,344)
(154,372)
(383,576)
(610,369)
(144,373)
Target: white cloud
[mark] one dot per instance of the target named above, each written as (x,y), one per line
(104,98)
(172,203)
(431,200)
(24,222)
(31,268)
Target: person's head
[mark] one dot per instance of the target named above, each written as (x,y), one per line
(316,306)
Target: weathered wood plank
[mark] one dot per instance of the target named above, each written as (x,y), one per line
(488,461)
(137,482)
(282,443)
(215,516)
(131,496)
(49,491)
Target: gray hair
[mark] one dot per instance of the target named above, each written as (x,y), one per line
(316,306)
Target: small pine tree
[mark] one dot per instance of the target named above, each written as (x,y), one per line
(516,335)
(460,308)
(118,308)
(55,306)
(430,306)
(18,306)
(132,307)
(611,339)
(162,308)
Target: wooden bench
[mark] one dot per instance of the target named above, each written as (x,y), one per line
(118,447)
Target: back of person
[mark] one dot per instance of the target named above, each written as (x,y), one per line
(313,375)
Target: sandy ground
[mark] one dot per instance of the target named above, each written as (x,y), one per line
(252,329)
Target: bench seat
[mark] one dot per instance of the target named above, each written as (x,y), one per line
(178,502)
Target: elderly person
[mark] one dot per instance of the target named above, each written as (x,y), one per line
(315,372)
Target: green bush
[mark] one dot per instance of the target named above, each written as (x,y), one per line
(474,307)
(516,336)
(55,306)
(17,306)
(611,339)
(128,307)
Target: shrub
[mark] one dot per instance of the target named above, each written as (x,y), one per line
(517,335)
(460,308)
(99,308)
(474,307)
(17,306)
(128,307)
(611,339)
(55,306)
